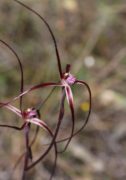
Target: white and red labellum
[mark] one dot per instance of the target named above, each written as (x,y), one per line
(69,78)
(30,113)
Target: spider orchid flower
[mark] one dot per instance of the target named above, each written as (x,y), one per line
(65,82)
(29,116)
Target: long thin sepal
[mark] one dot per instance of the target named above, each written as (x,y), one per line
(21,69)
(69,96)
(42,85)
(90,104)
(49,28)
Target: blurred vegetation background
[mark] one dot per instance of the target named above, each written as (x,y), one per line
(91,35)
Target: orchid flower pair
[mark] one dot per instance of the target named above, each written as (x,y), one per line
(65,82)
(31,115)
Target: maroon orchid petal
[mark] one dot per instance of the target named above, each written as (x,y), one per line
(70,101)
(90,105)
(21,69)
(40,123)
(52,35)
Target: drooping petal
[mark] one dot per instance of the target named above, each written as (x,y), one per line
(69,95)
(40,123)
(70,101)
(89,112)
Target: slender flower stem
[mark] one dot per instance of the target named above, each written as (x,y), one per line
(26,160)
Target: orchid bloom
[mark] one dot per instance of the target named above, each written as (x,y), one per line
(65,82)
(29,116)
